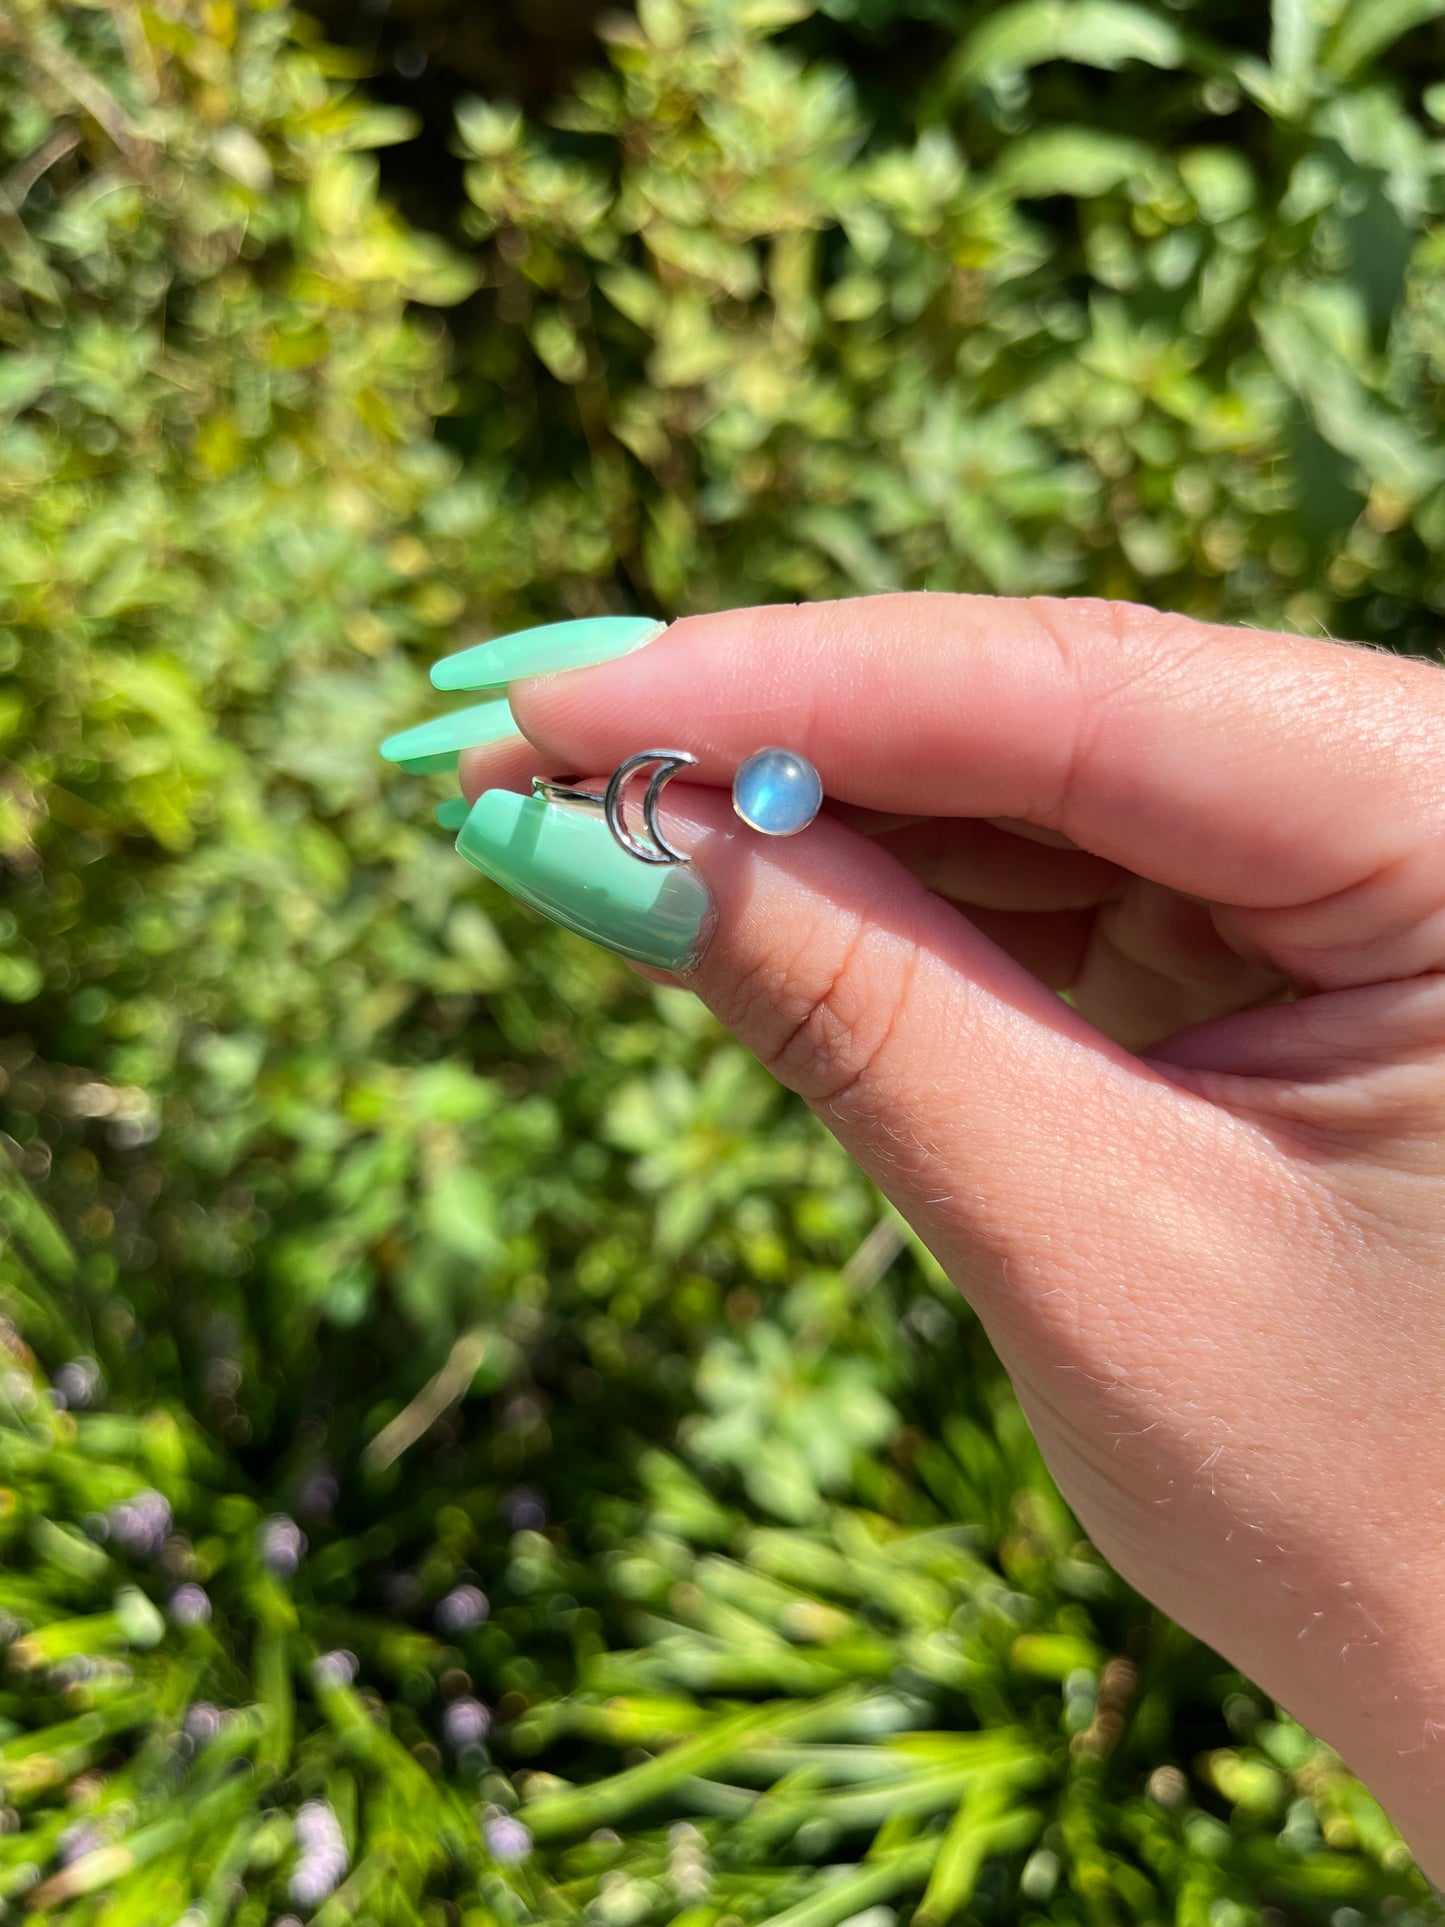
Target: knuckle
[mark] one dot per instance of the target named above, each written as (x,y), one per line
(823,1016)
(1113,653)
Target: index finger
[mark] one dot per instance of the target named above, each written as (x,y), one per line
(1298,783)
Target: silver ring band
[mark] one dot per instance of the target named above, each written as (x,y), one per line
(611,801)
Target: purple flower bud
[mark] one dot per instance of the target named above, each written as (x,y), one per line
(335,1669)
(202,1721)
(462,1609)
(317,1493)
(77,1841)
(139,1526)
(525,1508)
(507,1839)
(189,1606)
(79,1384)
(322,1863)
(317,1826)
(282,1544)
(466,1722)
(315,1877)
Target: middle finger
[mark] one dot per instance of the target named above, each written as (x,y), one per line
(972,861)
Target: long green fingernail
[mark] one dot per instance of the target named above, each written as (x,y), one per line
(453,813)
(562,860)
(438,744)
(544,651)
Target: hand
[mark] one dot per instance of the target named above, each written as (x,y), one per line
(1201,1212)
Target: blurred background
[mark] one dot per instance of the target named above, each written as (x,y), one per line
(473,1451)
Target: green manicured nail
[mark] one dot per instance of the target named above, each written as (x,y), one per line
(437,745)
(561,859)
(544,651)
(453,813)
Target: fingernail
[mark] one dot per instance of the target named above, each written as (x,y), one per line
(562,860)
(544,651)
(437,745)
(453,813)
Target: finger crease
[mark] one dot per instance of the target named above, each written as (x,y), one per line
(837,1100)
(831,1032)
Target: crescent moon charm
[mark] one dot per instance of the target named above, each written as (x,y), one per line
(669,762)
(613,799)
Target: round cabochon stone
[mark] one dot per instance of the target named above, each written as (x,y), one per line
(777,792)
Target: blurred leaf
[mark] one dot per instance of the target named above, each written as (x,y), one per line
(1096,33)
(1366,28)
(1073,160)
(1296,27)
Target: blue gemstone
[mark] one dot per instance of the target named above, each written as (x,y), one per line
(777,791)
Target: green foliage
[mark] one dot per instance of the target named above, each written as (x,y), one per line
(939,1698)
(1173,336)
(335,1189)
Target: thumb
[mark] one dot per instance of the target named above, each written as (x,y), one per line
(1001,1124)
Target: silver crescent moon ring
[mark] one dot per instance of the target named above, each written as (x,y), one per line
(776,792)
(612,800)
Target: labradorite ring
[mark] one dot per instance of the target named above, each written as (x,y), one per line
(775,791)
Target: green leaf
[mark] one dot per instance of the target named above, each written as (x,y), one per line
(23,378)
(1092,33)
(461,1214)
(1295,29)
(1081,162)
(1316,346)
(434,273)
(1221,181)
(558,346)
(24,1218)
(1367,28)
(238,153)
(377,126)
(862,1888)
(844,537)
(139,1621)
(488,130)
(765,16)
(983,1826)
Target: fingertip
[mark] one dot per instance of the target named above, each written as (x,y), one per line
(501,766)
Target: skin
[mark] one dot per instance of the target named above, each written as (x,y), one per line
(1202,1212)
